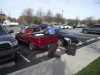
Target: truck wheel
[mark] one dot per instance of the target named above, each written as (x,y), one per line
(16,57)
(17,39)
(60,42)
(31,46)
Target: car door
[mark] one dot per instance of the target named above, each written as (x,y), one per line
(98,29)
(93,29)
(21,35)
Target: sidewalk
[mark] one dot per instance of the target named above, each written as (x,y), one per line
(66,65)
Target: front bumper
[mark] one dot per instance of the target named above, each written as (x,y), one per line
(9,54)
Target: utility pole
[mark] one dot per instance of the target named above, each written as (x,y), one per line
(62,13)
(9,13)
(62,16)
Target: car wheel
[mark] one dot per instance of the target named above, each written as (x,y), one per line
(85,31)
(31,46)
(60,42)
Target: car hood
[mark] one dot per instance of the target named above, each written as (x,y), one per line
(7,38)
(71,36)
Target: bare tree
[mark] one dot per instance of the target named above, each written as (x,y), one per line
(76,21)
(28,15)
(48,16)
(58,18)
(89,20)
(40,15)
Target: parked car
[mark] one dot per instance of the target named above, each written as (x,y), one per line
(73,25)
(91,29)
(67,26)
(35,39)
(58,26)
(24,26)
(64,36)
(9,48)
(80,25)
(43,26)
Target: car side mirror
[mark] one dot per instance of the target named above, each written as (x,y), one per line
(11,31)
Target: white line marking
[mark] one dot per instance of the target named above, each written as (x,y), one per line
(25,58)
(90,40)
(62,47)
(31,67)
(98,37)
(79,43)
(41,55)
(7,64)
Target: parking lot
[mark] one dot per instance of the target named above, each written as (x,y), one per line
(28,58)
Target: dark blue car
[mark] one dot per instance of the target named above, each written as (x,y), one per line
(64,36)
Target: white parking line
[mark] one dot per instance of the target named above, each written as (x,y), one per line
(41,54)
(25,58)
(7,64)
(80,43)
(90,40)
(98,37)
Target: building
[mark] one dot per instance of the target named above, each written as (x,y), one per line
(3,17)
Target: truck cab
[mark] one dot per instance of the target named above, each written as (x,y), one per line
(8,45)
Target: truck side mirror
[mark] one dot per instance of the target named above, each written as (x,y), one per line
(11,31)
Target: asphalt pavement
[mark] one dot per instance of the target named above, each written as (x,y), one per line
(66,65)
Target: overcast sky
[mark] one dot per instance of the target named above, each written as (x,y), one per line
(72,8)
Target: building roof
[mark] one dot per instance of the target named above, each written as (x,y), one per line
(2,14)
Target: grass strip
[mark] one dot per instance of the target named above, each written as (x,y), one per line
(92,69)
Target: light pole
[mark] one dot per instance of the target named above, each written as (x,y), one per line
(62,13)
(62,16)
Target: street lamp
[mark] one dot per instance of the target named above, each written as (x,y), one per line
(62,17)
(62,13)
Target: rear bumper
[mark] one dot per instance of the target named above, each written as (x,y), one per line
(44,47)
(9,54)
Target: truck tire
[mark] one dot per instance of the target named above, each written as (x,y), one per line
(52,48)
(17,39)
(31,46)
(16,57)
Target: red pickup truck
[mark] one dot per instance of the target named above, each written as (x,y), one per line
(35,39)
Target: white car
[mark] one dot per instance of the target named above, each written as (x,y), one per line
(58,26)
(67,26)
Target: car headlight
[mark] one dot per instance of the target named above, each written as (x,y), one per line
(67,39)
(14,43)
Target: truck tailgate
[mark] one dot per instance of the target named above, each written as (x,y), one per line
(48,39)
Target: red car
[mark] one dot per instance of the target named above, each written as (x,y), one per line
(36,39)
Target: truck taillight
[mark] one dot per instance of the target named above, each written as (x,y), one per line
(39,41)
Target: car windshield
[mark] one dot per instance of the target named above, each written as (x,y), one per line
(3,31)
(62,31)
(25,25)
